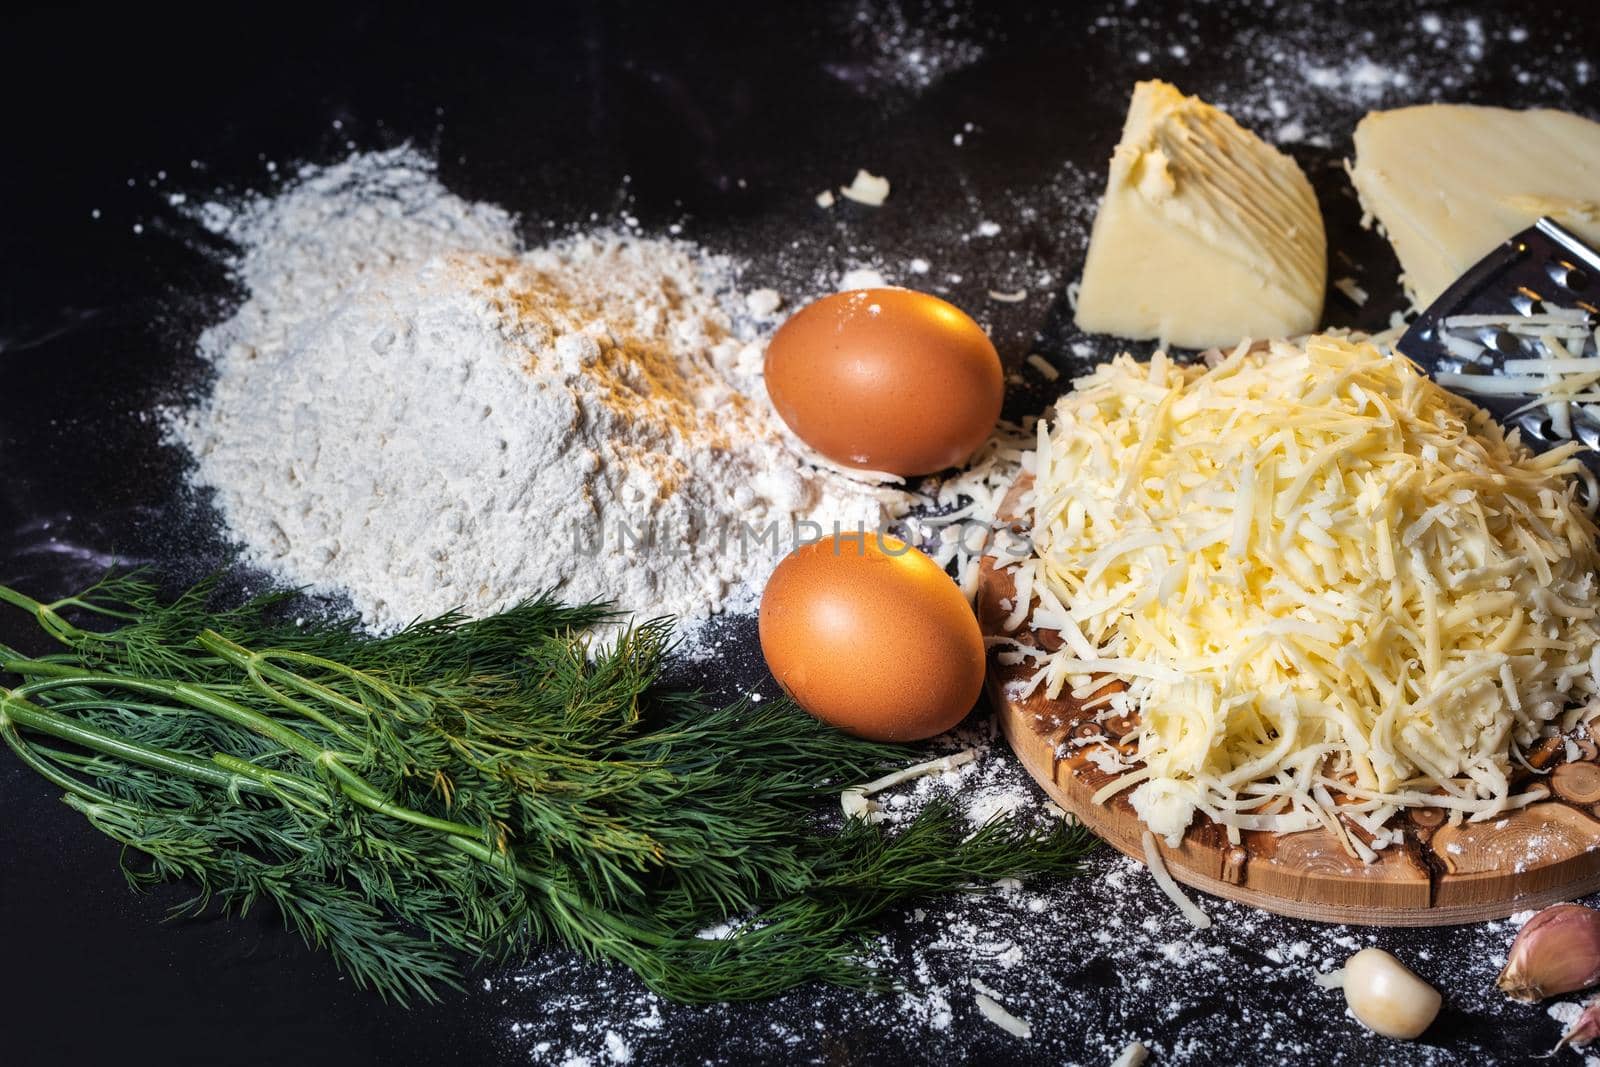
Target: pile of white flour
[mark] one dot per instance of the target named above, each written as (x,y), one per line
(412,411)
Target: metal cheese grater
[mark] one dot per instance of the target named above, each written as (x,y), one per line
(1544,268)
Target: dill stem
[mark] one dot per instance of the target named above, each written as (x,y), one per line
(25,752)
(14,663)
(195,696)
(48,618)
(281,779)
(351,784)
(15,710)
(361,791)
(21,600)
(225,773)
(259,666)
(567,901)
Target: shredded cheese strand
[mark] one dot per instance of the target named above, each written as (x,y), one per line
(1158,870)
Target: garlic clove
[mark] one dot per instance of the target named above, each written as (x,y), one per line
(1387,997)
(1557,951)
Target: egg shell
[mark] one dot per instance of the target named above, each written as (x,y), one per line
(886,380)
(875,640)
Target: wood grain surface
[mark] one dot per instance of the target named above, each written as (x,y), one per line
(1441,875)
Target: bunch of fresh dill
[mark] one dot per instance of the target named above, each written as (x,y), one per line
(477,787)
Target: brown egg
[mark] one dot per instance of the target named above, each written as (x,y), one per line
(875,639)
(886,379)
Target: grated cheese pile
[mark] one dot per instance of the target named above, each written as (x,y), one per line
(1327,583)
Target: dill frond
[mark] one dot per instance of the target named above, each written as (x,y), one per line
(477,788)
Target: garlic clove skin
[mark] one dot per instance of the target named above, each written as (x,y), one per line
(1387,997)
(1557,951)
(1584,1029)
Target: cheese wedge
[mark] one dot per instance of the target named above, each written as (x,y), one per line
(1207,234)
(1448,182)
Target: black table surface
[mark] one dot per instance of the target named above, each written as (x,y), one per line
(725,119)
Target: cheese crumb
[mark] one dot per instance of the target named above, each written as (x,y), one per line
(1133,1055)
(866,189)
(862,278)
(1353,292)
(763,302)
(1043,366)
(995,1013)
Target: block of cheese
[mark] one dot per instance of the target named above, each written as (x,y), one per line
(1206,235)
(1448,182)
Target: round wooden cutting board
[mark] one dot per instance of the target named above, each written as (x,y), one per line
(1544,853)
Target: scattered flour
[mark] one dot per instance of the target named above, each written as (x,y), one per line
(1565,1012)
(1299,75)
(893,50)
